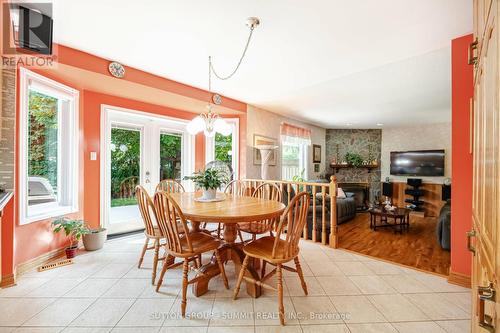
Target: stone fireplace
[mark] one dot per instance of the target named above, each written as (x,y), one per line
(365,142)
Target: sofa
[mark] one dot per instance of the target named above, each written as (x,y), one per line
(346,211)
(443,226)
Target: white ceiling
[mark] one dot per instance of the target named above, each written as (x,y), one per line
(330,62)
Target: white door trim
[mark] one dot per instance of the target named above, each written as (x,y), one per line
(158,123)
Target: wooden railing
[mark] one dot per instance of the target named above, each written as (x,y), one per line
(287,188)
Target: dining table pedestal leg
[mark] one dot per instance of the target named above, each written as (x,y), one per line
(229,251)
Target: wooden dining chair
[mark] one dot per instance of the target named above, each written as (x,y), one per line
(280,249)
(183,244)
(268,191)
(173,186)
(237,188)
(151,230)
(170,186)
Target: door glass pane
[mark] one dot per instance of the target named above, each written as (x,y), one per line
(42,148)
(125,174)
(170,156)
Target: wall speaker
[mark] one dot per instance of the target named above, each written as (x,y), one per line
(387,189)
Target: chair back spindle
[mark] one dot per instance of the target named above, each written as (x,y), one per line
(291,225)
(172,224)
(170,186)
(268,191)
(236,188)
(146,207)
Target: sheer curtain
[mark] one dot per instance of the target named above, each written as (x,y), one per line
(294,151)
(291,134)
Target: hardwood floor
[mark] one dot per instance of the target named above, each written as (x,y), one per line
(417,247)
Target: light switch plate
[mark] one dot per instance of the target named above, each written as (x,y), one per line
(93,156)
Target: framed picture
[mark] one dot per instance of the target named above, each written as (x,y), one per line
(316,167)
(264,140)
(316,154)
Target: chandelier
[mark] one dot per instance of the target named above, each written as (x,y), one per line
(209,122)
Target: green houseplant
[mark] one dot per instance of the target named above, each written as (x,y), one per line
(73,229)
(354,159)
(209,181)
(300,179)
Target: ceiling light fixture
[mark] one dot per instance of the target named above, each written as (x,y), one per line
(380,124)
(209,121)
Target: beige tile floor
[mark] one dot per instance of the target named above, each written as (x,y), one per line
(104,291)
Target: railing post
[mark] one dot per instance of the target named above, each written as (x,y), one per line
(314,236)
(304,234)
(323,215)
(333,213)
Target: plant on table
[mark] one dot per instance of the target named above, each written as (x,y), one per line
(209,181)
(73,229)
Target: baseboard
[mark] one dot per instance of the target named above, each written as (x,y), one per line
(8,281)
(40,260)
(459,279)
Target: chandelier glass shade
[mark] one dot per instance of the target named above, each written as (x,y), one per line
(210,122)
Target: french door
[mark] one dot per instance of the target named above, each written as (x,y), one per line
(138,149)
(486,178)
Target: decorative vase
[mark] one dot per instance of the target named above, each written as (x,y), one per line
(95,239)
(209,194)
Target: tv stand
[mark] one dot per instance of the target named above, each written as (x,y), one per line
(415,192)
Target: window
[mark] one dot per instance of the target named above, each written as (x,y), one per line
(225,147)
(48,148)
(294,146)
(293,160)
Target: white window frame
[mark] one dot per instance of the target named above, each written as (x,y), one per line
(210,146)
(303,158)
(68,144)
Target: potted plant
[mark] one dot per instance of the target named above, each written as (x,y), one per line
(95,238)
(354,159)
(73,229)
(209,181)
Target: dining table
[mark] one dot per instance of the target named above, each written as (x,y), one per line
(229,212)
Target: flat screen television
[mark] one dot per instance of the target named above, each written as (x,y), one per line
(425,163)
(35,31)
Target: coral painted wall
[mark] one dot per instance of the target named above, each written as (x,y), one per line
(21,243)
(91,142)
(7,238)
(461,189)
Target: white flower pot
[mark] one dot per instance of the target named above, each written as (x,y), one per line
(209,194)
(95,240)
